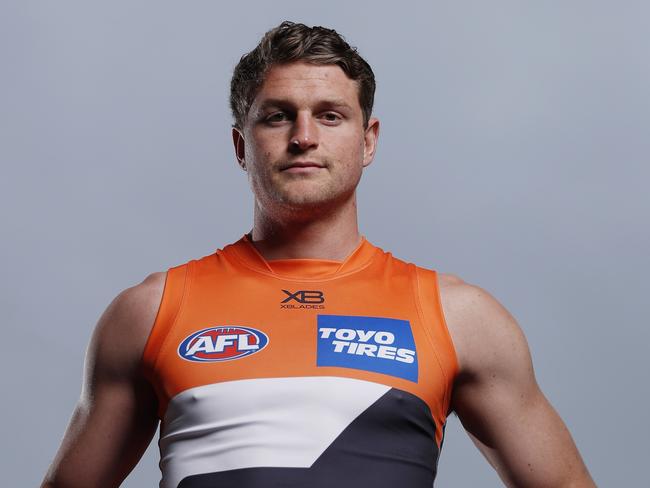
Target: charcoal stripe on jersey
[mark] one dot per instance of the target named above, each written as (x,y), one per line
(392,443)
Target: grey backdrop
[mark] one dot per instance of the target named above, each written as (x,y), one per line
(514,152)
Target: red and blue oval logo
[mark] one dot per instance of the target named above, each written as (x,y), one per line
(222,343)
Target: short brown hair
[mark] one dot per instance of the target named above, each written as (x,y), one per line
(289,42)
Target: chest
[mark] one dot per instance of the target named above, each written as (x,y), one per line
(247,329)
(262,377)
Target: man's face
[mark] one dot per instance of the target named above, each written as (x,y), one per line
(303,144)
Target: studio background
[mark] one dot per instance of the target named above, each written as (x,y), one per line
(513,151)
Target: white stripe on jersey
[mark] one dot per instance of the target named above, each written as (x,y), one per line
(276,422)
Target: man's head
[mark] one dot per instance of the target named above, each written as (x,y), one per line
(303,130)
(290,42)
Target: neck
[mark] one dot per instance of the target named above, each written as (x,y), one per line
(332,235)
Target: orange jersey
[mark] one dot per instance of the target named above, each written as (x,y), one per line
(300,372)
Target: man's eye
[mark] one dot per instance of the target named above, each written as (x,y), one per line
(277,117)
(331,117)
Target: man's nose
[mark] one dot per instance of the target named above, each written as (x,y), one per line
(304,134)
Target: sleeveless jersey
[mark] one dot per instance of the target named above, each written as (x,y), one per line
(300,372)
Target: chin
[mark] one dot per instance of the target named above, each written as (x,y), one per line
(315,202)
(306,197)
(305,194)
(304,201)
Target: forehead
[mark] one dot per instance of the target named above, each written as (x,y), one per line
(302,83)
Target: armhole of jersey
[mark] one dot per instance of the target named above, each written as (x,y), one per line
(171,303)
(452,348)
(431,305)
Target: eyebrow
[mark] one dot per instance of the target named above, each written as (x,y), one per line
(281,102)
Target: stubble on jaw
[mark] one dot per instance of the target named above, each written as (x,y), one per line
(302,200)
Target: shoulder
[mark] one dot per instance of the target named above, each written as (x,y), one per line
(485,334)
(141,301)
(136,306)
(460,296)
(123,329)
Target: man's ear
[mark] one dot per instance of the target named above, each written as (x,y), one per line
(370,141)
(238,142)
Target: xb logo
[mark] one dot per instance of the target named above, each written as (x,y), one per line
(304,296)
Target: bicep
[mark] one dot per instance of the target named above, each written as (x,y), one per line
(500,404)
(115,417)
(518,432)
(105,438)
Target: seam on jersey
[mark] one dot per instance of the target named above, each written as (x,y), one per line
(187,282)
(418,306)
(241,261)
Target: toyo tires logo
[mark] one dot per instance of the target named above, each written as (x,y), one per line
(379,344)
(222,343)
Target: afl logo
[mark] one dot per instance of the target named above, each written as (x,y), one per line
(222,344)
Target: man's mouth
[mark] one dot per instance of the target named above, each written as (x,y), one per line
(302,166)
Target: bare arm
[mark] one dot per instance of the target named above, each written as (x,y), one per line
(115,417)
(498,400)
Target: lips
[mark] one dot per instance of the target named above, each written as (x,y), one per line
(302,164)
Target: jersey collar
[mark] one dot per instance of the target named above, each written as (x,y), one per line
(302,268)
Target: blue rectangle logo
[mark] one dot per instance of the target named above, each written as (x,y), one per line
(378,344)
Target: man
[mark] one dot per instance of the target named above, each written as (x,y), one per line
(303,355)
